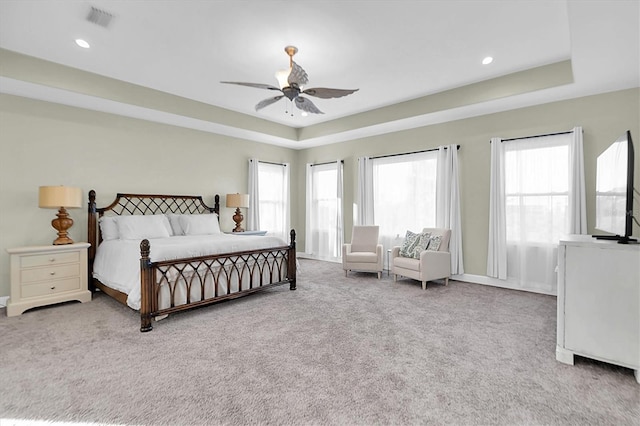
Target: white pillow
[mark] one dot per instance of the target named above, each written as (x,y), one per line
(109,228)
(174,220)
(199,224)
(137,227)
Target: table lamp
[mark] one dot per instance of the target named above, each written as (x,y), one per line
(238,201)
(61,198)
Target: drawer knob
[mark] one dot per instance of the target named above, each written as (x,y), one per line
(53,288)
(53,259)
(52,273)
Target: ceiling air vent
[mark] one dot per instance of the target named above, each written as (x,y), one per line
(99,17)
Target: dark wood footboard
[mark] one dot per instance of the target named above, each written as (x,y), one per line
(251,271)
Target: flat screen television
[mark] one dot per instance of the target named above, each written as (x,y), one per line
(614,190)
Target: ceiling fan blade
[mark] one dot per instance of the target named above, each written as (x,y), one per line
(306,105)
(297,76)
(325,93)
(268,102)
(256,85)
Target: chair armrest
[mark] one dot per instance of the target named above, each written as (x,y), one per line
(436,263)
(395,251)
(379,249)
(346,248)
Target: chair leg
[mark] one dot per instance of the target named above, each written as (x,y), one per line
(424,285)
(395,277)
(345,272)
(379,274)
(446,281)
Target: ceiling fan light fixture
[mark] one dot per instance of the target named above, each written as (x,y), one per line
(282,76)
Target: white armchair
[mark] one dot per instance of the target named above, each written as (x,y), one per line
(363,253)
(431,265)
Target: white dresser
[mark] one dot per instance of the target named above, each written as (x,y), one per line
(599,301)
(45,275)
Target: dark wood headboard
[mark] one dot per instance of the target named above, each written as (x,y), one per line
(142,204)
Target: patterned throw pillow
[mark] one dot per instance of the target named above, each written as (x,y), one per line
(409,244)
(434,243)
(422,244)
(414,243)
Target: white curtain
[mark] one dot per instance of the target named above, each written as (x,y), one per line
(577,203)
(339,208)
(448,203)
(497,250)
(286,193)
(308,241)
(364,197)
(253,213)
(324,222)
(530,208)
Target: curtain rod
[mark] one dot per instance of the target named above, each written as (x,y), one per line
(326,162)
(536,136)
(269,162)
(409,153)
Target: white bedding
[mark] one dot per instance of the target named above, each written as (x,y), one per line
(117,262)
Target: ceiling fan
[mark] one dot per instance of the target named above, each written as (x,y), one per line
(291,82)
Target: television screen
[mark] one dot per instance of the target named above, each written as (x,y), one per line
(612,179)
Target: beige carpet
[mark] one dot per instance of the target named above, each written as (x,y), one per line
(337,351)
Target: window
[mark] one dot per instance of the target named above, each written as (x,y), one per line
(404,194)
(273,196)
(536,191)
(324,211)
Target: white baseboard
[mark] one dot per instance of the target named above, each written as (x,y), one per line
(495,282)
(302,255)
(3,301)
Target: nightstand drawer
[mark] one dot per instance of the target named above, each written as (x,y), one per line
(51,287)
(50,273)
(49,259)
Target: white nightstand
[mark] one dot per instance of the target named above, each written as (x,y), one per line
(44,275)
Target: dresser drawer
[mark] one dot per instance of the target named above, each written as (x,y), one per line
(51,287)
(49,273)
(49,259)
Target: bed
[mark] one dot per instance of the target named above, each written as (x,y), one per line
(162,254)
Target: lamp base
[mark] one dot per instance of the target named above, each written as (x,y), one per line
(237,218)
(61,224)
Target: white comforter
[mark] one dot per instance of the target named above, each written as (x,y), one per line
(117,262)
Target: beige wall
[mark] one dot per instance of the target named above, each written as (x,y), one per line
(603,118)
(48,144)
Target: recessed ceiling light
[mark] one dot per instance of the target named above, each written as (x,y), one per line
(487,60)
(304,113)
(82,43)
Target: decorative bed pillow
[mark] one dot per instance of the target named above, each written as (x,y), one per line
(109,228)
(199,224)
(136,227)
(434,243)
(174,221)
(414,244)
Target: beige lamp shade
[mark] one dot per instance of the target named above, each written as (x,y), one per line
(54,197)
(238,200)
